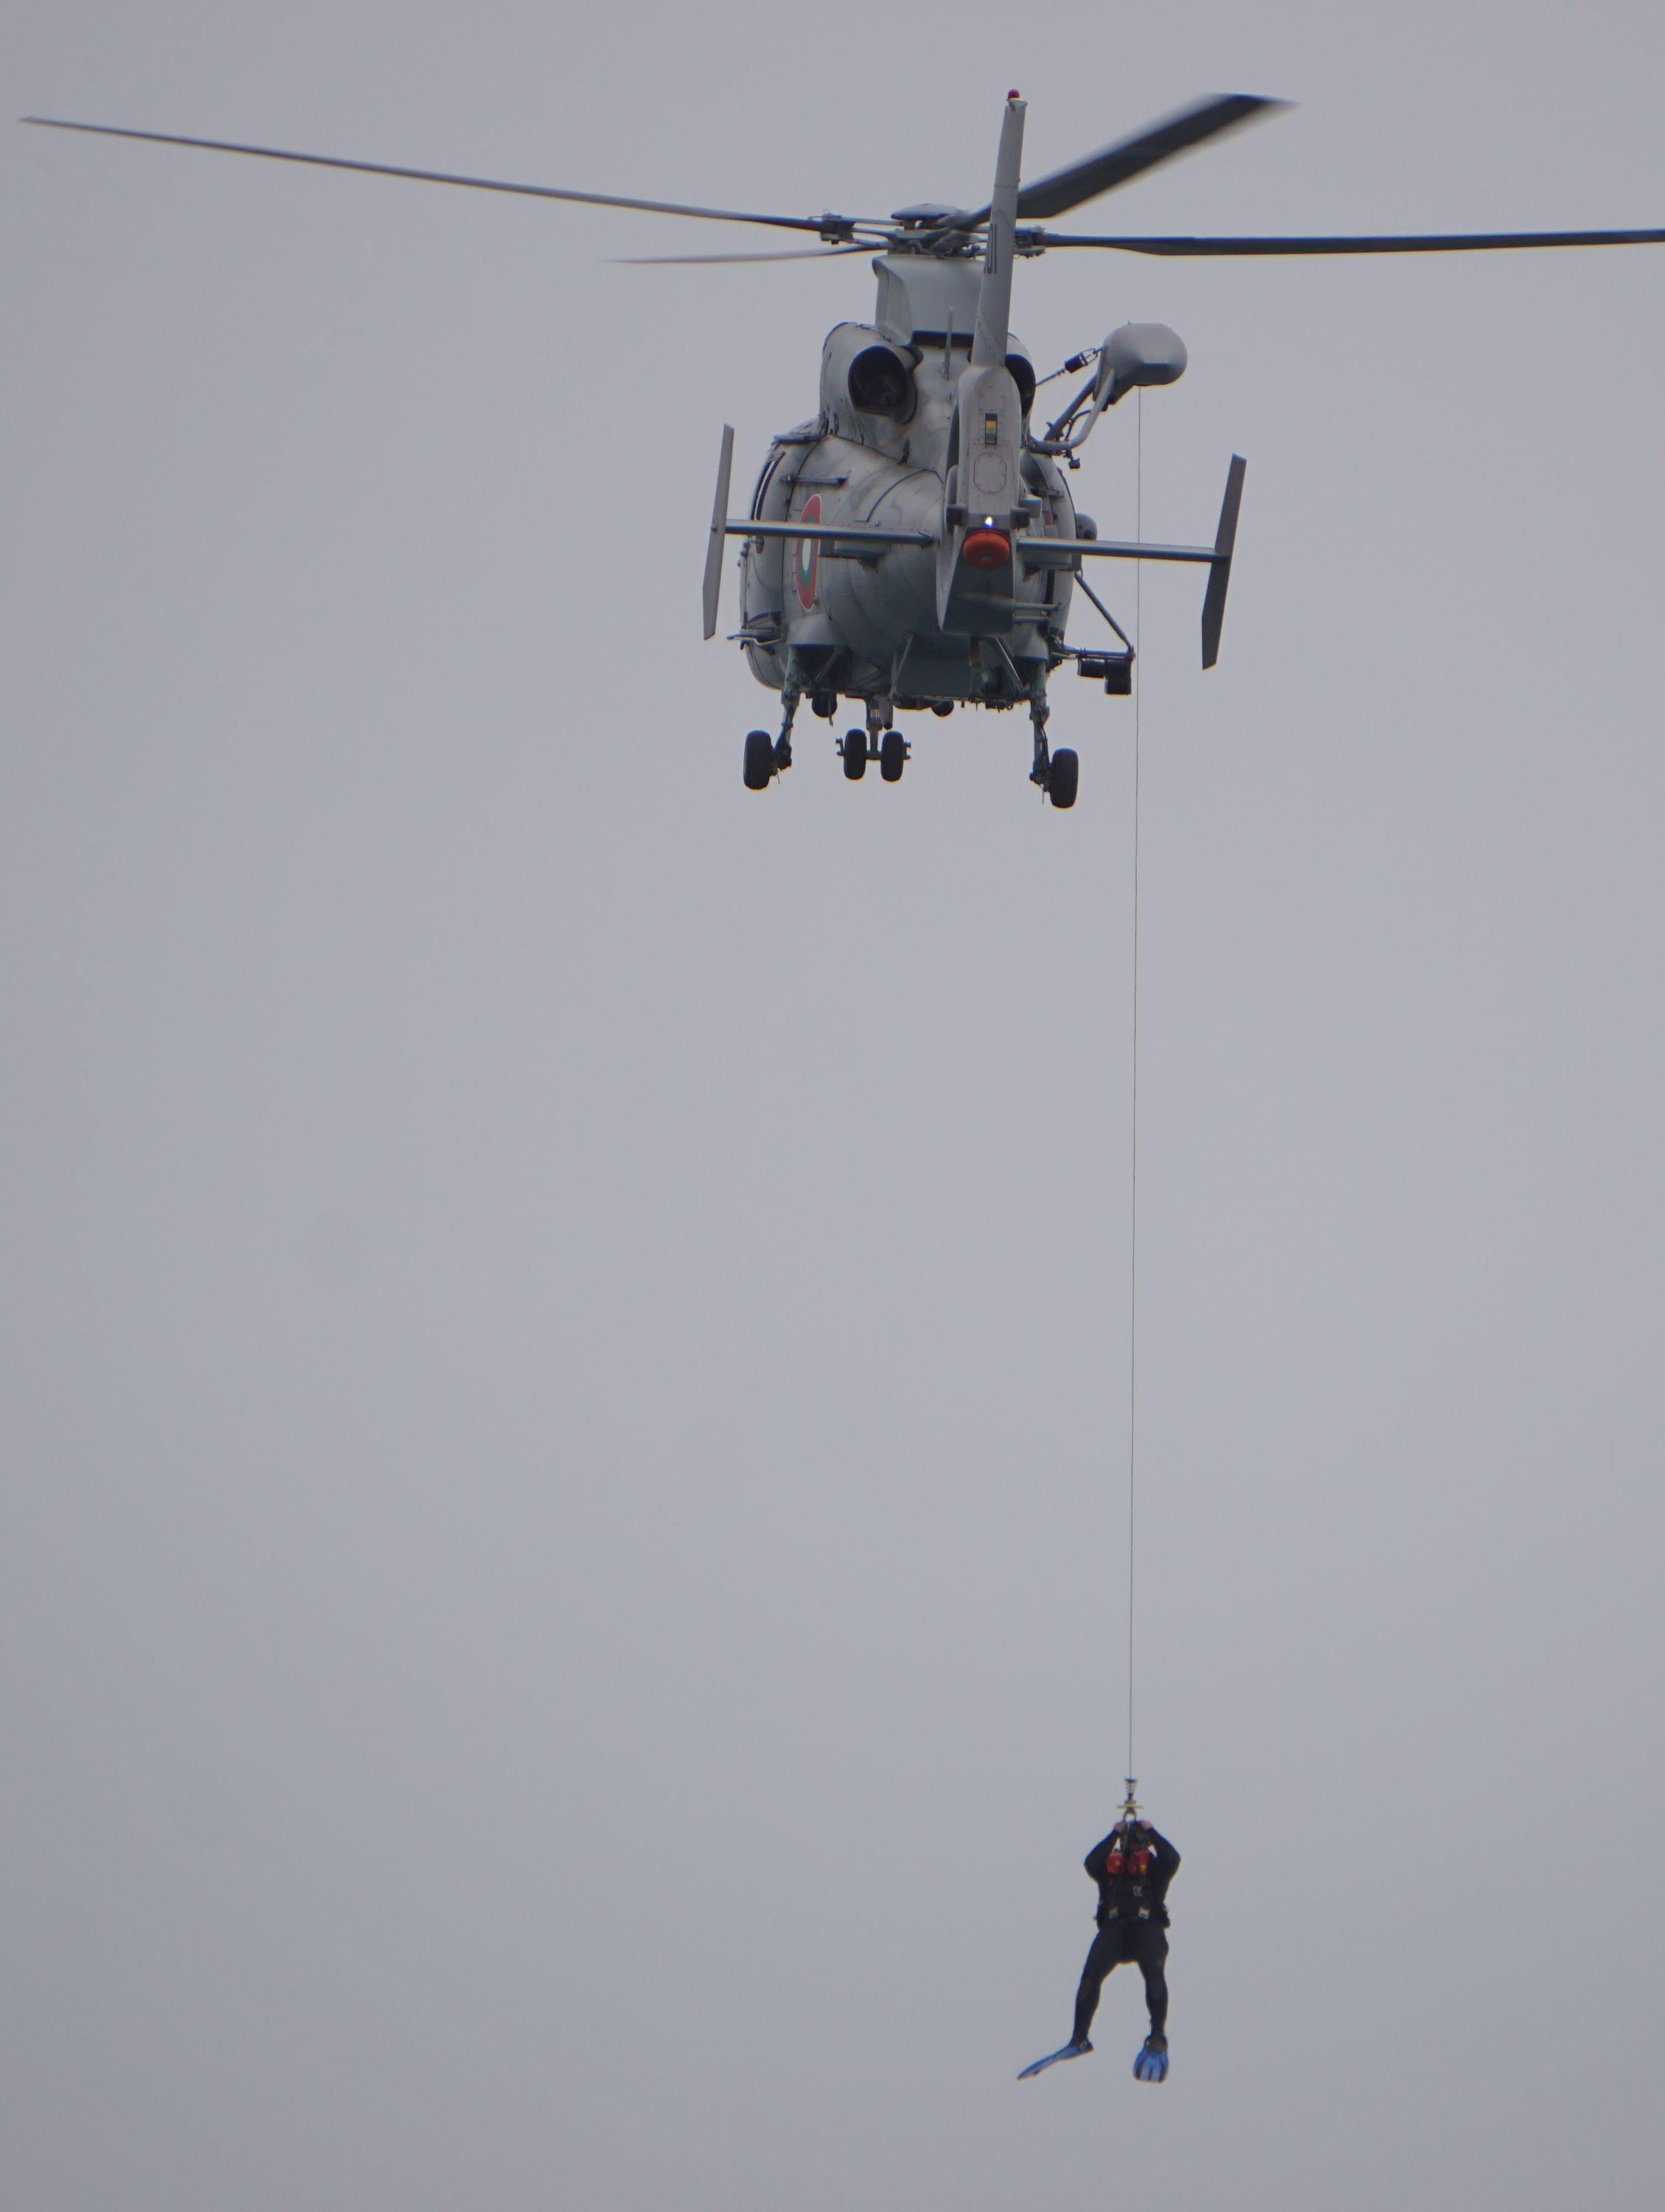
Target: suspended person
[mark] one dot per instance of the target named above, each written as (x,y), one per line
(1132,1867)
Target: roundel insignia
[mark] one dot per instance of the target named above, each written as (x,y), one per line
(809,553)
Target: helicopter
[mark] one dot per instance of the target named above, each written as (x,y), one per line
(914,545)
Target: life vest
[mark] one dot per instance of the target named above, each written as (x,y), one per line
(1127,1865)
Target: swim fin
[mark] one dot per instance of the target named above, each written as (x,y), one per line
(1151,2064)
(1070,2051)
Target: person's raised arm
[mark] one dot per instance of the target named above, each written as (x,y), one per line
(1094,1862)
(1167,1858)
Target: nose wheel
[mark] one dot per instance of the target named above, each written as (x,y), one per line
(890,750)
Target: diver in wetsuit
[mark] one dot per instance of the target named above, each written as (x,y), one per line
(1132,1867)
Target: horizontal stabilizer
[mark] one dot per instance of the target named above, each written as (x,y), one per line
(825,533)
(1064,552)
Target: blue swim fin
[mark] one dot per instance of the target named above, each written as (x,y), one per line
(1070,2051)
(1151,2064)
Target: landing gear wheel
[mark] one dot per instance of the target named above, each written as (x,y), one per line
(892,756)
(759,771)
(1063,776)
(854,749)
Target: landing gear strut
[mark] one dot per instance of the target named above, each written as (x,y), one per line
(790,692)
(1057,773)
(1038,710)
(766,757)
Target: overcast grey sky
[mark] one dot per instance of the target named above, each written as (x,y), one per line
(564,1340)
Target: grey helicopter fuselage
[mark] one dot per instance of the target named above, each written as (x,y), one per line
(892,448)
(915,544)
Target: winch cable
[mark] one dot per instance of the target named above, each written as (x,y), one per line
(1132,1205)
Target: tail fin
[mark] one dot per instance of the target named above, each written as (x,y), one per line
(988,344)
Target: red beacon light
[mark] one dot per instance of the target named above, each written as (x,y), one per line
(985,549)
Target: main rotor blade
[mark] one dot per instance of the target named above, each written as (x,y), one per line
(1475,241)
(441,176)
(694,260)
(1130,157)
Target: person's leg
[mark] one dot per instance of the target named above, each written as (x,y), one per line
(1152,1955)
(1106,1952)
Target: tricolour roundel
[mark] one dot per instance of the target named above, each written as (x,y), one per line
(808,553)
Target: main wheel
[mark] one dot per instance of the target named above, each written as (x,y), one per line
(892,756)
(1063,777)
(760,760)
(854,749)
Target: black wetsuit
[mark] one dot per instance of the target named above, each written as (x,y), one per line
(1132,1920)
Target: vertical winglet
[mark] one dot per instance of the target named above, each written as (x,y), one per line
(1219,568)
(714,551)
